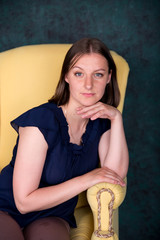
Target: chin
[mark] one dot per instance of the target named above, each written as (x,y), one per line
(88,102)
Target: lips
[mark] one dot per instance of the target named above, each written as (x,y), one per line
(88,94)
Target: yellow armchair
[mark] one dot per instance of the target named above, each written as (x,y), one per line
(28,77)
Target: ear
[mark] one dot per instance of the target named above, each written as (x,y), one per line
(66,78)
(109,76)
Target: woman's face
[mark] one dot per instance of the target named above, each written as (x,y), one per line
(87,79)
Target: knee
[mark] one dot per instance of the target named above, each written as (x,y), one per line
(50,228)
(9,228)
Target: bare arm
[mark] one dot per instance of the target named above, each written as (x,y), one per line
(113,150)
(30,159)
(116,155)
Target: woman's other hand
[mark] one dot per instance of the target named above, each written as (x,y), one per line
(103,174)
(99,110)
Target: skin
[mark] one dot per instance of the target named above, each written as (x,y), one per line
(87,80)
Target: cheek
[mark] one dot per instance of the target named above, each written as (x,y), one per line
(74,87)
(101,87)
(102,92)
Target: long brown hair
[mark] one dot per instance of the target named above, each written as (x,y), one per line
(86,46)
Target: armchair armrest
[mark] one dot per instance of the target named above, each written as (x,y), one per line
(103,199)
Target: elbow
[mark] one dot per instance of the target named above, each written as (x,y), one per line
(22,210)
(121,167)
(123,170)
(123,174)
(21,206)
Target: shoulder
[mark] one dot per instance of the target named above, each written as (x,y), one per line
(42,116)
(45,110)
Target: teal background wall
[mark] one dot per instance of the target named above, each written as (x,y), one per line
(132,29)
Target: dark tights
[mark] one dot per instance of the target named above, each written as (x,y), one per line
(49,228)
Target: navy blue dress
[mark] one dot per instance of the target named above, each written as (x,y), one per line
(64,160)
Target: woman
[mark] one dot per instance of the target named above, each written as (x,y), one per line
(59,146)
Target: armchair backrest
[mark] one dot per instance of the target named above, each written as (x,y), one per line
(28,77)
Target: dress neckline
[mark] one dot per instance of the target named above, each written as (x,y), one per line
(64,129)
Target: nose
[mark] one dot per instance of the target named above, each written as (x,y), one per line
(88,82)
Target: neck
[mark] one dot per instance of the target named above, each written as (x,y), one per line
(73,119)
(76,124)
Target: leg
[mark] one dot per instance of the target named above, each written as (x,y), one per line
(9,228)
(50,228)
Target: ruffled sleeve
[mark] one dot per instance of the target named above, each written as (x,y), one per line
(43,118)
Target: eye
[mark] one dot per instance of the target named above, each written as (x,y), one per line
(98,75)
(78,74)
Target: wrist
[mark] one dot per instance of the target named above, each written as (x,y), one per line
(117,116)
(84,182)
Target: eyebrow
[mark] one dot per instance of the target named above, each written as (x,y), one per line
(101,69)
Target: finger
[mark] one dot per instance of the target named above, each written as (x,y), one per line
(99,114)
(115,177)
(86,111)
(117,181)
(113,173)
(98,110)
(107,111)
(114,181)
(93,112)
(82,110)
